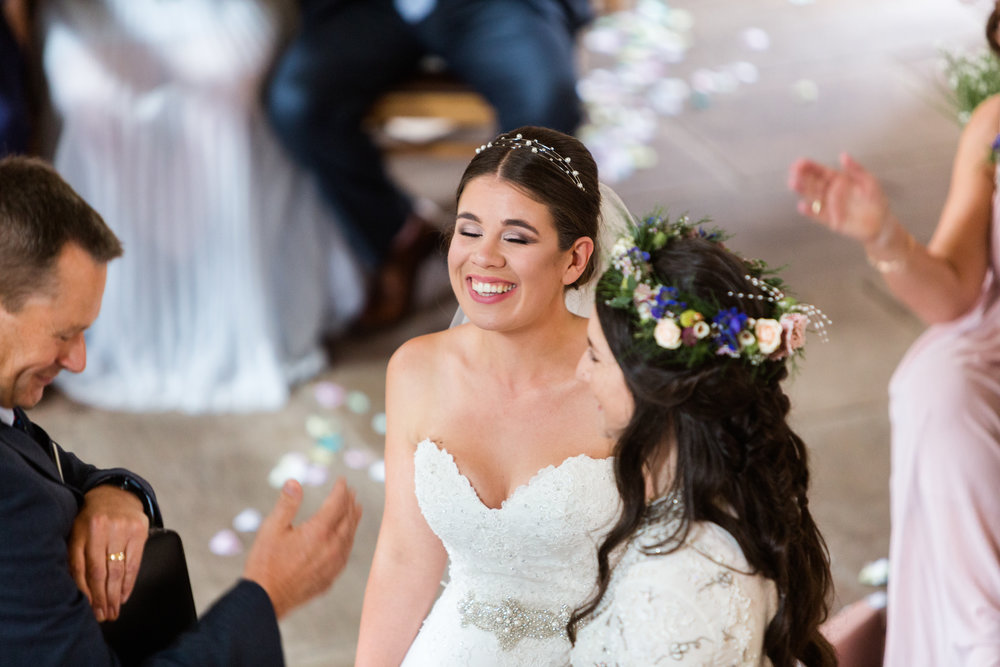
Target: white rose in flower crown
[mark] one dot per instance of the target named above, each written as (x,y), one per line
(667,334)
(701,329)
(768,333)
(745,338)
(794,325)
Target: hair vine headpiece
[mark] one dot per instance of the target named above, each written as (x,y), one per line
(547,152)
(692,330)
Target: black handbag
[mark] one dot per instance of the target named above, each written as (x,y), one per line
(161,606)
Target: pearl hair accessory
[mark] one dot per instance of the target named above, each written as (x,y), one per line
(561,163)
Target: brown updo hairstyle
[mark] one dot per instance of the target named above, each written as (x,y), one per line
(739,464)
(574,210)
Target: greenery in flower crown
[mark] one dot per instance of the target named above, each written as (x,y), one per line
(972,77)
(669,320)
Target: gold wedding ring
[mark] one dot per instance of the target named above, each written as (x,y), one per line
(817,206)
(120,556)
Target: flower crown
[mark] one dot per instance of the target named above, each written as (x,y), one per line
(695,331)
(561,163)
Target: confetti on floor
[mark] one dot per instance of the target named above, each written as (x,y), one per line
(357,459)
(329,395)
(377,471)
(378,423)
(358,402)
(225,543)
(625,99)
(291,466)
(875,573)
(247,521)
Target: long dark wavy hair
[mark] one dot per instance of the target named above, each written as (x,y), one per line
(738,463)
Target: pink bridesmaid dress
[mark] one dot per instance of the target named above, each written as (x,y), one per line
(944,578)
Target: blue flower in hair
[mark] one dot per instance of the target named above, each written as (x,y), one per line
(665,301)
(729,323)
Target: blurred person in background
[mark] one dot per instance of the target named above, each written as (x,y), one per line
(944,397)
(518,54)
(233,273)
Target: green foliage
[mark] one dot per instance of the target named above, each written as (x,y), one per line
(971,78)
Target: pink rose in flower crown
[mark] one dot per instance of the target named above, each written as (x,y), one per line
(768,334)
(643,299)
(794,326)
(667,334)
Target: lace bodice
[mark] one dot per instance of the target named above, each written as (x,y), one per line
(517,571)
(695,606)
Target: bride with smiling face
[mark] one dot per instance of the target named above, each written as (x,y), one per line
(496,460)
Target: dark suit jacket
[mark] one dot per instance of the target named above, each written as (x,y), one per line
(46,620)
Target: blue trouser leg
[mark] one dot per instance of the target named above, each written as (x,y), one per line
(13,102)
(518,54)
(344,56)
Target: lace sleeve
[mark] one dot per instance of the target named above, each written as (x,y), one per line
(685,608)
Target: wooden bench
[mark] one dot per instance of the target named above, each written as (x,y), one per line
(436,94)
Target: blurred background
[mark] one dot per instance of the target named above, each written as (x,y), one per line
(694,107)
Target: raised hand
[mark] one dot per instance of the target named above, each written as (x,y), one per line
(105,548)
(848,200)
(295,563)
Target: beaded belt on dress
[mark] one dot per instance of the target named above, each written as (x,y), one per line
(511,621)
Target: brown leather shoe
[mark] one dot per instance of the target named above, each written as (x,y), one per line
(392,288)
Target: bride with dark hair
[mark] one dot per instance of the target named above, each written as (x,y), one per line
(497,466)
(715,557)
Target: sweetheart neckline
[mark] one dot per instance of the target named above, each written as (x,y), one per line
(552,467)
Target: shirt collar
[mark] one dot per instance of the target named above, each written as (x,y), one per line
(7,416)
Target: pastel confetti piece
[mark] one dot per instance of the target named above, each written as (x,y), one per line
(377,471)
(756,39)
(317,426)
(378,423)
(316,475)
(356,459)
(225,543)
(805,90)
(875,573)
(358,402)
(291,466)
(329,395)
(746,72)
(321,455)
(333,442)
(247,521)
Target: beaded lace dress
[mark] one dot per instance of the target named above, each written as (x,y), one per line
(516,572)
(694,606)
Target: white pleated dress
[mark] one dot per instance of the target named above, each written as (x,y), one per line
(233,265)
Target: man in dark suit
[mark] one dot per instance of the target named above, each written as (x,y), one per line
(72,534)
(519,54)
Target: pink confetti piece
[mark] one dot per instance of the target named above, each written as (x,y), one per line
(356,459)
(329,395)
(225,543)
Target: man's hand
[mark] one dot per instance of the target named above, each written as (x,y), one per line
(295,563)
(111,523)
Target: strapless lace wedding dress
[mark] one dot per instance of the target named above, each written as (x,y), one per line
(516,572)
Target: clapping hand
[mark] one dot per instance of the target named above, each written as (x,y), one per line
(848,200)
(295,563)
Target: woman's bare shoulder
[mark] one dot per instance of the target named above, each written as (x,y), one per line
(985,119)
(418,356)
